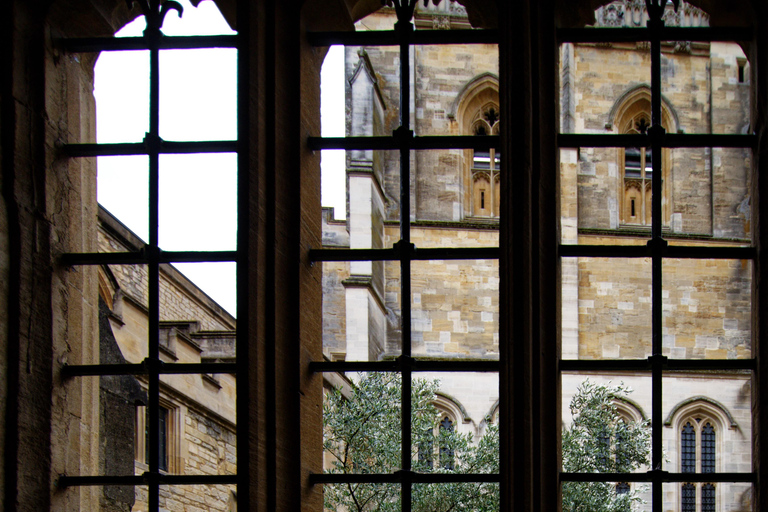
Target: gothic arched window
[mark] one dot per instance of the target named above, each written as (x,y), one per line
(697,455)
(446,450)
(632,115)
(486,166)
(638,172)
(434,446)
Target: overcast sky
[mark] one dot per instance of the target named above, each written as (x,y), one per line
(198,101)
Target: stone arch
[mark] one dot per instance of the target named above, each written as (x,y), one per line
(446,404)
(493,414)
(636,98)
(631,113)
(478,98)
(108,287)
(479,91)
(701,405)
(629,409)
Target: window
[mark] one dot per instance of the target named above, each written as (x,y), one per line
(632,115)
(428,325)
(435,445)
(142,437)
(698,455)
(169,439)
(446,451)
(477,113)
(277,392)
(159,363)
(486,165)
(643,166)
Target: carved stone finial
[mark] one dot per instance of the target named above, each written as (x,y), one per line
(155,11)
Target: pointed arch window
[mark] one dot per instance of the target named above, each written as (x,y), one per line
(638,173)
(446,451)
(434,446)
(631,115)
(698,455)
(486,165)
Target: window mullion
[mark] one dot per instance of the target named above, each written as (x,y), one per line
(403,136)
(655,25)
(152,139)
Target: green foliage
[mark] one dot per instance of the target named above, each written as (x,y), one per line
(362,435)
(599,441)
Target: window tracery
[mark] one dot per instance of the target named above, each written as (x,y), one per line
(698,439)
(486,165)
(631,116)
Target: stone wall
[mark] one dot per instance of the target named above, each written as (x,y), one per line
(441,72)
(455,304)
(201,418)
(706,189)
(334,309)
(180,299)
(706,308)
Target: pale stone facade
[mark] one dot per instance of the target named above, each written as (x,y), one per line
(200,421)
(605,200)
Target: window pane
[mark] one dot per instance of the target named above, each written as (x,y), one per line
(198,94)
(212,498)
(709,194)
(216,285)
(603,86)
(455,496)
(361,311)
(198,434)
(456,414)
(343,496)
(361,422)
(198,202)
(363,188)
(708,421)
(456,90)
(632,163)
(184,302)
(707,308)
(706,90)
(605,198)
(606,308)
(334,192)
(455,309)
(607,496)
(202,19)
(115,446)
(121,90)
(606,424)
(123,290)
(372,75)
(123,191)
(456,193)
(708,497)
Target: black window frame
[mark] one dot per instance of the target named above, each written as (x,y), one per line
(657,248)
(403,140)
(152,146)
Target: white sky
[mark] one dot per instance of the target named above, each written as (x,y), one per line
(198,100)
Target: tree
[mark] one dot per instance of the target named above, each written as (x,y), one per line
(362,435)
(598,440)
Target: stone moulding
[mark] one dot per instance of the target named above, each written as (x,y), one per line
(640,91)
(708,404)
(478,83)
